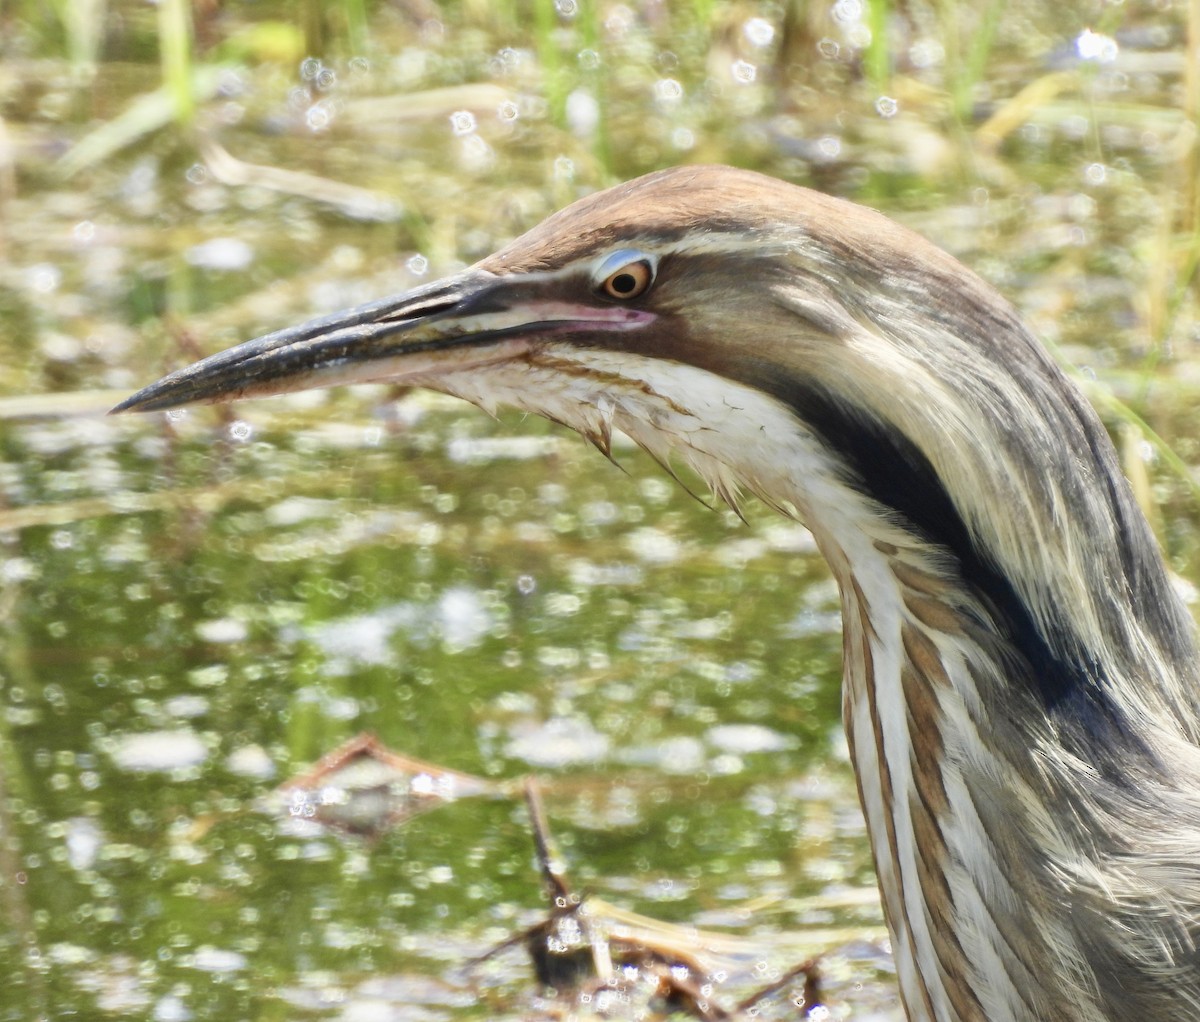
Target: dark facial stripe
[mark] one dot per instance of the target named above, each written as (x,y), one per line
(889,469)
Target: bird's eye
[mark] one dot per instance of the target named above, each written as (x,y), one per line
(625,274)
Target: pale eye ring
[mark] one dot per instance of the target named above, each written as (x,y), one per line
(625,274)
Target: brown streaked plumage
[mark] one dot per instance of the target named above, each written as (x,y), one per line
(1020,688)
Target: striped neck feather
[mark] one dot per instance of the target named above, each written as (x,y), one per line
(987,760)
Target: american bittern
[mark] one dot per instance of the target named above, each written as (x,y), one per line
(1020,683)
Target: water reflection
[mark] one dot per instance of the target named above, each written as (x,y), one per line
(270,624)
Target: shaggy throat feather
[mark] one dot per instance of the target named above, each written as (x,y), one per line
(850,478)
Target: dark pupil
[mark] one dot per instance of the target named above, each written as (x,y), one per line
(623,283)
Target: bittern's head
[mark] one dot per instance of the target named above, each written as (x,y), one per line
(660,307)
(773,339)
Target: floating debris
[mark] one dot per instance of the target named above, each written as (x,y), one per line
(365,789)
(615,964)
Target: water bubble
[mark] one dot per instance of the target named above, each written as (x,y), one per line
(433,32)
(589,60)
(417,265)
(508,111)
(347,258)
(759,31)
(619,21)
(926,53)
(476,154)
(462,122)
(683,138)
(847,11)
(319,116)
(1114,81)
(310,67)
(829,48)
(84,231)
(885,106)
(566,8)
(526,584)
(829,146)
(1075,126)
(360,65)
(325,79)
(1091,45)
(196,174)
(1095,173)
(240,431)
(743,71)
(176,414)
(858,35)
(564,168)
(667,90)
(44,278)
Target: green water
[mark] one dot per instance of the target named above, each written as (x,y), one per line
(245,589)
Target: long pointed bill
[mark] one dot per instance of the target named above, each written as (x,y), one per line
(473,319)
